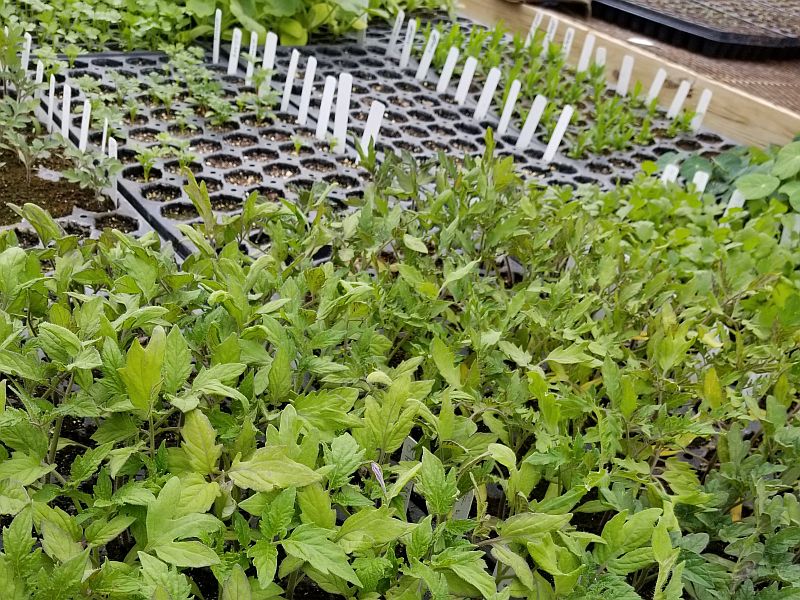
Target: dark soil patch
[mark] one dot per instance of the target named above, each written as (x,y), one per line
(57,197)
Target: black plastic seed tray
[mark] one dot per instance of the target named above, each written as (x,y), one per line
(724,28)
(274,157)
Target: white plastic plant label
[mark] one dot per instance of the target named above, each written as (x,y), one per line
(658,83)
(66,111)
(586,53)
(287,87)
(531,122)
(252,53)
(396,29)
(537,20)
(558,134)
(791,228)
(86,119)
(670,174)
(113,150)
(466,80)
(51,103)
(427,55)
(600,57)
(104,137)
(700,181)
(736,201)
(566,46)
(270,47)
(217,36)
(236,48)
(325,107)
(39,77)
(508,108)
(308,88)
(26,52)
(342,113)
(373,125)
(552,27)
(701,110)
(408,44)
(487,95)
(679,99)
(625,71)
(447,71)
(463,505)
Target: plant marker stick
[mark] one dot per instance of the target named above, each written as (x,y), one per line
(537,20)
(113,154)
(39,78)
(508,109)
(558,134)
(342,112)
(552,27)
(308,88)
(373,125)
(270,47)
(447,71)
(791,227)
(86,119)
(66,111)
(217,35)
(236,48)
(361,34)
(466,80)
(700,181)
(532,122)
(325,106)
(566,46)
(679,99)
(405,56)
(736,201)
(26,52)
(655,87)
(586,53)
(485,100)
(702,108)
(670,174)
(624,81)
(252,52)
(287,87)
(398,25)
(51,103)
(105,136)
(463,505)
(427,55)
(600,56)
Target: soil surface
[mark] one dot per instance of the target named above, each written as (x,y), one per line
(56,196)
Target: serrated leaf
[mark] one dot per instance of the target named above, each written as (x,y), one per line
(236,587)
(270,468)
(198,443)
(177,361)
(445,360)
(415,244)
(311,544)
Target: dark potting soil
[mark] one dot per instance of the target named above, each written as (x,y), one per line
(51,192)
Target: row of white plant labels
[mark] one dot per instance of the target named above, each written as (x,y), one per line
(341,87)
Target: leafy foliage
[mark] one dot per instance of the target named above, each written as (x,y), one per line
(491,389)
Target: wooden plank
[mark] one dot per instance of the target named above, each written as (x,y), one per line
(734,113)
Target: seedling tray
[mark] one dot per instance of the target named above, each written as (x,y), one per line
(728,28)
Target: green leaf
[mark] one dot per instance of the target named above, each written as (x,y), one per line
(527,526)
(280,375)
(757,185)
(142,371)
(23,469)
(370,528)
(515,353)
(101,532)
(572,356)
(201,9)
(415,244)
(270,468)
(187,554)
(506,556)
(345,455)
(264,555)
(58,342)
(177,361)
(445,362)
(439,489)
(787,163)
(311,544)
(459,273)
(198,443)
(712,389)
(237,587)
(13,497)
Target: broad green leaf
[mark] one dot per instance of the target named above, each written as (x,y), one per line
(415,244)
(757,185)
(712,389)
(198,443)
(13,497)
(445,361)
(270,468)
(506,556)
(571,356)
(177,361)
(438,488)
(142,371)
(370,528)
(280,375)
(515,353)
(526,526)
(101,532)
(236,587)
(311,544)
(787,163)
(187,554)
(265,558)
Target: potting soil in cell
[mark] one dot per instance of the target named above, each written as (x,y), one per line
(280,159)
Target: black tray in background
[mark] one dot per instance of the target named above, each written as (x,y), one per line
(682,23)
